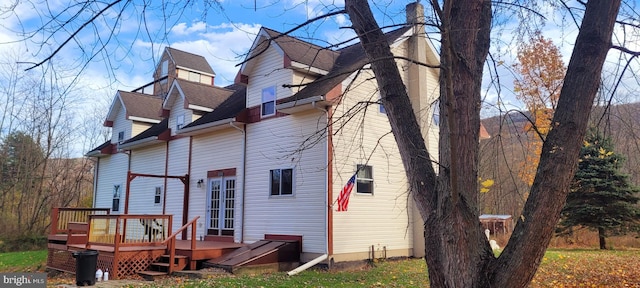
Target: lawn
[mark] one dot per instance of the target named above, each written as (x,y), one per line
(559,268)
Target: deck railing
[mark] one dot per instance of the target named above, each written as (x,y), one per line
(61,216)
(171,242)
(129,230)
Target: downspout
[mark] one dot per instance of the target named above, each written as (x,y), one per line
(328,175)
(244,165)
(166,172)
(307,265)
(95,181)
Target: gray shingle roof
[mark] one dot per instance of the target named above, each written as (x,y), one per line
(227,109)
(301,51)
(142,105)
(203,95)
(189,60)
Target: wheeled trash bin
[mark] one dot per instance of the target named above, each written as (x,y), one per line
(86,262)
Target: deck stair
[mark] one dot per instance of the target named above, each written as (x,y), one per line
(161,267)
(258,253)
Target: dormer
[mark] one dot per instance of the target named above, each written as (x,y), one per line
(131,113)
(178,64)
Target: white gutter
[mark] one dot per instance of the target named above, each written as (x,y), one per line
(307,265)
(143,119)
(138,143)
(206,126)
(299,102)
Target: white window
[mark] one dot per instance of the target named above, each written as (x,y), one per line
(436,112)
(193,76)
(381,108)
(115,204)
(164,68)
(268,107)
(120,137)
(179,122)
(364,179)
(157,198)
(281,182)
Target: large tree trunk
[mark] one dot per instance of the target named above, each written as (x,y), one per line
(602,238)
(457,253)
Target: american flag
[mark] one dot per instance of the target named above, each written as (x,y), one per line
(343,198)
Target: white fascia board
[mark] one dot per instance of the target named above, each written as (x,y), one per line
(297,105)
(142,119)
(199,108)
(307,68)
(208,127)
(139,143)
(174,85)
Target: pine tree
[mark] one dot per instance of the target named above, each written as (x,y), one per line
(601,196)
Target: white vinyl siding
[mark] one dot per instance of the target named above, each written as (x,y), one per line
(380,218)
(266,73)
(215,151)
(147,160)
(178,166)
(178,111)
(271,145)
(111,170)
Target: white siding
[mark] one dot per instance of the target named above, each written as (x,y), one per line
(148,160)
(219,150)
(380,219)
(177,109)
(178,166)
(266,73)
(112,170)
(121,124)
(273,144)
(139,127)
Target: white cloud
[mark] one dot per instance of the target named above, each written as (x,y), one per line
(182,29)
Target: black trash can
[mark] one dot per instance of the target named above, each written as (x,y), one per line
(86,262)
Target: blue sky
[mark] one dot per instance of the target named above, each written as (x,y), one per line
(221,35)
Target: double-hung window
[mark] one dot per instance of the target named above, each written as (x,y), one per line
(268,106)
(364,179)
(436,112)
(179,122)
(281,182)
(115,204)
(157,198)
(164,70)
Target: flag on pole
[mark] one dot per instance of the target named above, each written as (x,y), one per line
(343,198)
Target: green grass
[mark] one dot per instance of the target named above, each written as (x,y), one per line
(26,261)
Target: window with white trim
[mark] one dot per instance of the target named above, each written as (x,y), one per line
(157,198)
(281,182)
(115,203)
(436,112)
(268,106)
(179,122)
(120,137)
(164,68)
(364,179)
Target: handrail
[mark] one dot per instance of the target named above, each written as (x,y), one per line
(172,241)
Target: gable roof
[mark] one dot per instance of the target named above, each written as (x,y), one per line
(302,54)
(350,60)
(138,106)
(226,112)
(189,61)
(154,134)
(196,96)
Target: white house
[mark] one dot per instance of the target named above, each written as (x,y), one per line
(269,154)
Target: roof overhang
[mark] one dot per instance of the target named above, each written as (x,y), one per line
(143,119)
(140,143)
(313,102)
(199,108)
(308,69)
(209,127)
(200,72)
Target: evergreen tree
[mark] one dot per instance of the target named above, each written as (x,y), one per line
(601,196)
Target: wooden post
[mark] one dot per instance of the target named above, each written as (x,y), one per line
(54,221)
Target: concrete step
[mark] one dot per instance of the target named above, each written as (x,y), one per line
(151,275)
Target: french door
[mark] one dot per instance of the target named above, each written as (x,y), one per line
(221,206)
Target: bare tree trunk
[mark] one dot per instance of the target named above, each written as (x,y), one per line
(457,252)
(602,239)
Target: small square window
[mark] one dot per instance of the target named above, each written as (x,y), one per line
(115,204)
(120,137)
(158,196)
(364,179)
(281,182)
(179,122)
(268,107)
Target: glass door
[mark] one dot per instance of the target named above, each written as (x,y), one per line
(221,206)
